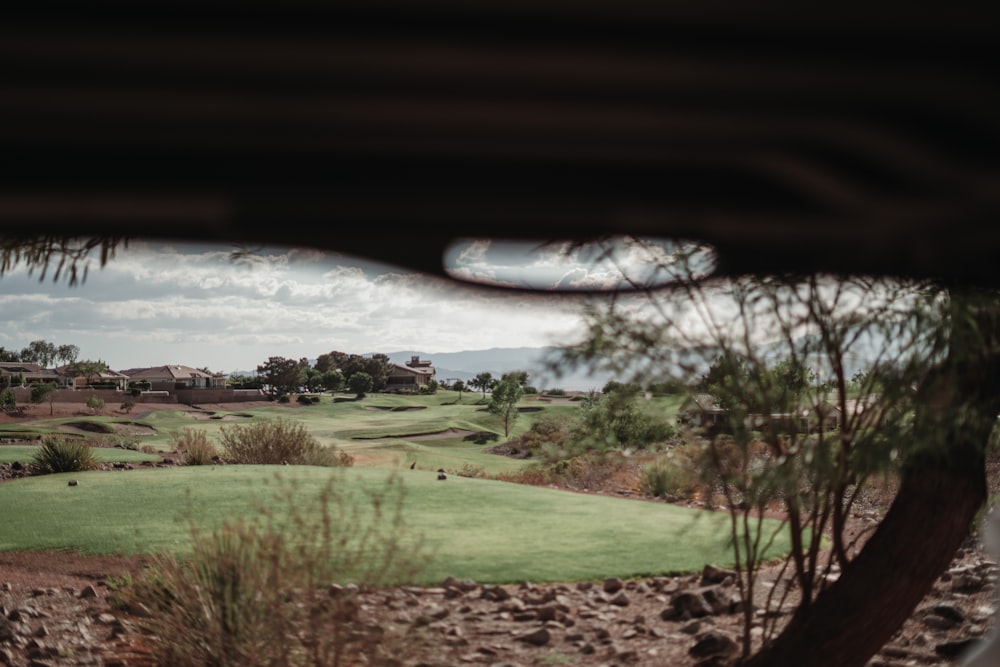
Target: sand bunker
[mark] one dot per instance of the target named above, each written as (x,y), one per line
(102,428)
(234,416)
(436,435)
(398,408)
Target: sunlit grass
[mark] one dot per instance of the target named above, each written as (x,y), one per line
(484,530)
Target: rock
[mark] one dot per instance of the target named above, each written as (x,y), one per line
(613,585)
(714,644)
(949,611)
(539,637)
(716,575)
(88,592)
(620,600)
(73,482)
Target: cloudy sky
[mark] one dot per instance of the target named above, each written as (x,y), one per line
(157,304)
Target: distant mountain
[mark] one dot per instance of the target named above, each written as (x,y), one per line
(467,364)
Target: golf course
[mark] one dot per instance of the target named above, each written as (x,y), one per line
(466,523)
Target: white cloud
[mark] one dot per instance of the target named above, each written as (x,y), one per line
(193,305)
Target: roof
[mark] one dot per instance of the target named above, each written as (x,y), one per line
(706,403)
(19,367)
(409,370)
(172,371)
(106,374)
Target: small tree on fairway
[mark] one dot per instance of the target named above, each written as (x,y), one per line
(360,384)
(44,392)
(96,404)
(459,386)
(8,401)
(503,402)
(483,382)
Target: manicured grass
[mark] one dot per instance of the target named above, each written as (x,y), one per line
(484,530)
(24,454)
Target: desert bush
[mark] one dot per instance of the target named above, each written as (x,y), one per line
(62,455)
(194,447)
(280,588)
(114,440)
(96,404)
(274,442)
(671,478)
(469,470)
(127,406)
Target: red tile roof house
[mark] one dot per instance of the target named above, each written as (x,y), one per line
(77,380)
(175,376)
(415,374)
(13,371)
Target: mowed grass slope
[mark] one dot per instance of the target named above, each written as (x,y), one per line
(489,531)
(484,530)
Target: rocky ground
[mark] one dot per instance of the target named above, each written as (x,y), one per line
(57,609)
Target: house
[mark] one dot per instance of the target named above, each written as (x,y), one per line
(700,410)
(175,376)
(12,372)
(106,379)
(416,373)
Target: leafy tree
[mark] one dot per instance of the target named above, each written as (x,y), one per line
(521,377)
(333,380)
(8,355)
(503,402)
(377,366)
(483,381)
(67,354)
(96,404)
(360,384)
(39,352)
(935,351)
(282,375)
(237,381)
(8,401)
(458,386)
(614,421)
(87,368)
(45,392)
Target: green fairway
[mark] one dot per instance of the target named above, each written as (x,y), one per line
(484,530)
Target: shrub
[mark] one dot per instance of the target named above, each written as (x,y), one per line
(274,442)
(304,399)
(95,403)
(127,406)
(280,588)
(194,447)
(469,470)
(668,479)
(61,455)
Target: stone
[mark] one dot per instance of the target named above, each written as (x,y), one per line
(716,575)
(714,644)
(613,585)
(539,637)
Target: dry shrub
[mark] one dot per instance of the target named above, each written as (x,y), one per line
(473,471)
(194,447)
(536,475)
(281,588)
(276,442)
(590,472)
